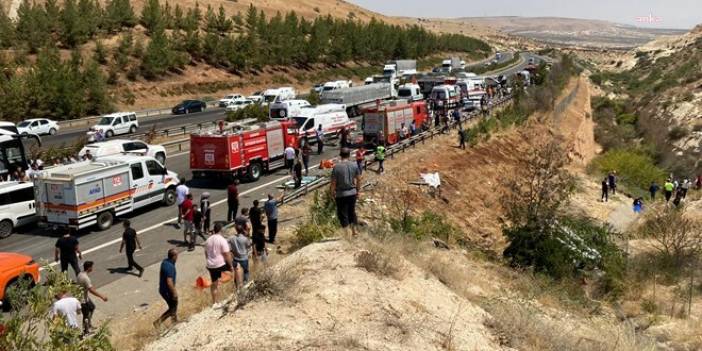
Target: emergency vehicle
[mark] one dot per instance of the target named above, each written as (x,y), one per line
(246,152)
(383,123)
(90,193)
(445,96)
(332,117)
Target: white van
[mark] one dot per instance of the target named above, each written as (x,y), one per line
(90,193)
(332,117)
(287,108)
(17,207)
(410,92)
(119,146)
(115,124)
(280,94)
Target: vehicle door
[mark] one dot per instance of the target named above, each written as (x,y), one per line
(140,184)
(157,175)
(309,128)
(43,127)
(136,146)
(19,204)
(34,128)
(117,125)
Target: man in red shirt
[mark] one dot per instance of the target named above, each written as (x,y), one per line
(188,215)
(232,200)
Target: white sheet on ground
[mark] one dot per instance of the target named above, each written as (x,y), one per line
(432,179)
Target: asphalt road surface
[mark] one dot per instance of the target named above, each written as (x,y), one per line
(155,223)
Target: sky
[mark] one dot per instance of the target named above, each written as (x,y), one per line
(683,14)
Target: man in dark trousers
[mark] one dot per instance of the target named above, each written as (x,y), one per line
(271,208)
(653,189)
(605,190)
(255,216)
(232,200)
(131,242)
(319,137)
(68,252)
(461,138)
(345,186)
(167,288)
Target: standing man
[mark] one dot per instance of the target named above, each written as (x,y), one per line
(87,305)
(306,152)
(653,189)
(182,192)
(289,158)
(297,173)
(206,212)
(240,245)
(380,157)
(344,137)
(345,186)
(271,208)
(130,240)
(255,216)
(68,307)
(218,258)
(68,252)
(167,288)
(668,190)
(605,190)
(188,216)
(461,138)
(360,158)
(612,178)
(684,187)
(232,200)
(319,137)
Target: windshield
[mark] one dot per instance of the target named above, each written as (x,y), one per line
(404,93)
(327,88)
(439,94)
(300,121)
(105,121)
(24,124)
(270,98)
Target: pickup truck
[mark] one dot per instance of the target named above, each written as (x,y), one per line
(14,268)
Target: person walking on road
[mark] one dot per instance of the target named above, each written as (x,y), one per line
(289,158)
(319,137)
(188,216)
(206,213)
(306,152)
(380,157)
(87,306)
(668,188)
(197,226)
(612,180)
(240,245)
(67,252)
(605,190)
(182,192)
(271,209)
(218,257)
(131,242)
(232,200)
(167,288)
(653,189)
(345,186)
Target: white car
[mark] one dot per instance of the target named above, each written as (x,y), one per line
(17,206)
(223,102)
(119,146)
(256,97)
(115,124)
(239,104)
(38,126)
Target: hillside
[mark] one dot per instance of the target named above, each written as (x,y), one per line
(572,31)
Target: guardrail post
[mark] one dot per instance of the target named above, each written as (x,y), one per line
(183,128)
(167,133)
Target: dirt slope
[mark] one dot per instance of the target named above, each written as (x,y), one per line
(336,305)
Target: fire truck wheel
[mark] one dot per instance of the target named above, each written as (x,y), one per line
(255,171)
(169,198)
(104,220)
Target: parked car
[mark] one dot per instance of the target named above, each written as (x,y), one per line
(239,104)
(17,207)
(38,126)
(14,268)
(9,126)
(318,88)
(118,146)
(256,97)
(188,106)
(223,102)
(115,124)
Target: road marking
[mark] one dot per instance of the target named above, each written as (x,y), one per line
(158,225)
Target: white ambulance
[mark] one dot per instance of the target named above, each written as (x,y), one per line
(90,193)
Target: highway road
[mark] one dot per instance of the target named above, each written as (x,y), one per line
(154,224)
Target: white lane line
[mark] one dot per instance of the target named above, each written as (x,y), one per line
(158,225)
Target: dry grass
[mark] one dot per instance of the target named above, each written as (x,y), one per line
(278,282)
(377,261)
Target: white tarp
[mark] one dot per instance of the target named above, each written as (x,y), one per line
(432,179)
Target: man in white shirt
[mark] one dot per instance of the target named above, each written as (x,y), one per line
(289,158)
(68,307)
(182,192)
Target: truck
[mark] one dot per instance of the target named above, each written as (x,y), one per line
(356,97)
(400,68)
(452,64)
(244,153)
(383,123)
(337,84)
(428,82)
(89,193)
(410,92)
(287,108)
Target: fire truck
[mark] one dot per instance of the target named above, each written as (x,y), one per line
(383,123)
(243,151)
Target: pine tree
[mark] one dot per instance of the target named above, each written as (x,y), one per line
(70,23)
(178,17)
(32,26)
(7,31)
(100,53)
(96,97)
(53,13)
(192,19)
(118,14)
(151,17)
(121,55)
(158,57)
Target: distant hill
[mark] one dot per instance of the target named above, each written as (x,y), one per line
(573,31)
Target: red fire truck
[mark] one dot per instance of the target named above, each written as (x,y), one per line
(383,123)
(244,153)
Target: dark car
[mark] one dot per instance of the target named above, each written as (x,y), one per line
(188,106)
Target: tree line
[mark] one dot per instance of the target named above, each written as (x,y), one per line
(177,37)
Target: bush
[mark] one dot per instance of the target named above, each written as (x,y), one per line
(627,118)
(321,224)
(377,262)
(676,237)
(634,167)
(677,133)
(428,225)
(256,111)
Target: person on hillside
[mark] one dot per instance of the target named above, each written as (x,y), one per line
(380,157)
(67,252)
(167,288)
(653,189)
(668,188)
(360,158)
(319,138)
(218,258)
(289,158)
(461,138)
(345,186)
(182,192)
(66,307)
(605,190)
(232,200)
(131,242)
(271,209)
(258,239)
(206,212)
(638,205)
(306,152)
(612,180)
(240,244)
(87,306)
(242,220)
(684,187)
(188,214)
(255,216)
